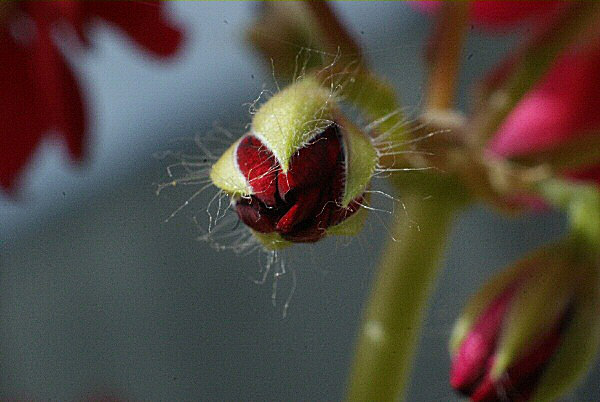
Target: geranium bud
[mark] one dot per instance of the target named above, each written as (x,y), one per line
(519,333)
(301,171)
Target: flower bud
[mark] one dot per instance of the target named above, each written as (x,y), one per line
(301,171)
(531,332)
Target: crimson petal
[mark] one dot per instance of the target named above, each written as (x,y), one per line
(313,164)
(259,167)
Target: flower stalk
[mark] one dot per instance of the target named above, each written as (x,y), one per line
(445,49)
(406,276)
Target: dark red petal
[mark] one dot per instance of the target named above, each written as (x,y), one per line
(259,167)
(306,235)
(143,21)
(338,215)
(313,164)
(591,174)
(469,363)
(520,380)
(59,90)
(306,206)
(255,216)
(22,116)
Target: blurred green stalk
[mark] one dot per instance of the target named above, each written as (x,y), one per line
(411,260)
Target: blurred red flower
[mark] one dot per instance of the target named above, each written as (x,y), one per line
(500,13)
(38,92)
(563,105)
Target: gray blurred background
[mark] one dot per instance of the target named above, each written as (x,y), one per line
(99,296)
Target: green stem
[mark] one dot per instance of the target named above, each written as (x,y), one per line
(388,338)
(445,53)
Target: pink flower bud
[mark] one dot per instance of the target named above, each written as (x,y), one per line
(471,366)
(301,203)
(531,332)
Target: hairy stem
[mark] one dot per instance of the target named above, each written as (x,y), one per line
(445,49)
(334,35)
(394,316)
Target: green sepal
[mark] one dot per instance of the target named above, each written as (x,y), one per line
(226,174)
(537,306)
(271,241)
(351,226)
(292,117)
(360,159)
(579,343)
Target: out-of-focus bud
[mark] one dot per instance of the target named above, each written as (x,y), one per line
(531,332)
(301,171)
(279,24)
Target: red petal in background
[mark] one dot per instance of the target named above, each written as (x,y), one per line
(59,91)
(38,94)
(563,105)
(143,21)
(22,117)
(499,14)
(591,174)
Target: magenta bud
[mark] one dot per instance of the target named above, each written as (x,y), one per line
(472,358)
(523,326)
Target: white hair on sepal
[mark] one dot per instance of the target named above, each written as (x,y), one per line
(192,167)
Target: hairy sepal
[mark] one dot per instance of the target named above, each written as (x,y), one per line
(537,307)
(579,344)
(271,241)
(360,159)
(226,174)
(292,117)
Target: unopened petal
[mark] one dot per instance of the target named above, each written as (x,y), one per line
(469,363)
(537,307)
(564,104)
(259,167)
